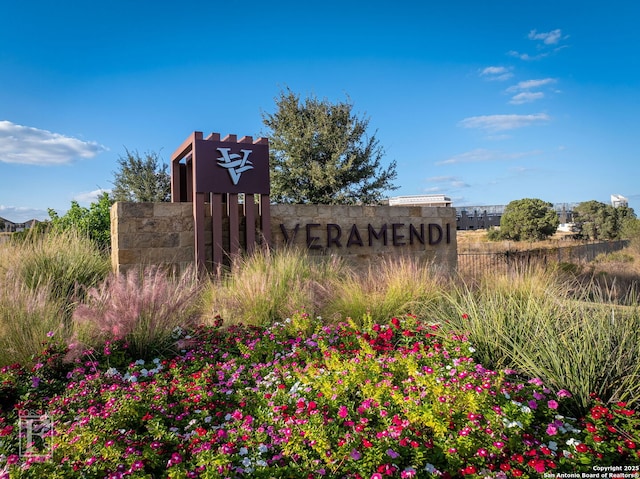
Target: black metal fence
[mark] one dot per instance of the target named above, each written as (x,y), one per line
(474,263)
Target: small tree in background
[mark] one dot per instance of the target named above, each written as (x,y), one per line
(529,219)
(320,153)
(141,179)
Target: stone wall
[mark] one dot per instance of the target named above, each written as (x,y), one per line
(162,233)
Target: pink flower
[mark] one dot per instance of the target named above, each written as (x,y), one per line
(552,430)
(376,475)
(343,411)
(552,404)
(175,459)
(408,473)
(563,393)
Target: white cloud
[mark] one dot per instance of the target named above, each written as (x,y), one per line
(548,38)
(32,146)
(526,56)
(482,155)
(496,73)
(526,97)
(21,214)
(448,181)
(530,84)
(495,123)
(90,196)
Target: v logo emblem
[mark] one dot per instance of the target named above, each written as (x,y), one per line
(234,163)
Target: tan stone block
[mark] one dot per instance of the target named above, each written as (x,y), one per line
(128,256)
(167,209)
(138,210)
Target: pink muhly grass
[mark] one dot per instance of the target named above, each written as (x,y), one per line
(141,307)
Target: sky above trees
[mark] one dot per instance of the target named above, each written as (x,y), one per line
(487,102)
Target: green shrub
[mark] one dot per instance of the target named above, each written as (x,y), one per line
(533,323)
(27,317)
(67,262)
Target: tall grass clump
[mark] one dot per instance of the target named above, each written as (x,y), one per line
(66,262)
(142,308)
(387,288)
(544,325)
(270,285)
(27,316)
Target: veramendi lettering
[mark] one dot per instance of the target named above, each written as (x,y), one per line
(332,235)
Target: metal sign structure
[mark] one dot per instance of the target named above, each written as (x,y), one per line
(217,171)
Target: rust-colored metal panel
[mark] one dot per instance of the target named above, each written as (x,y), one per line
(234,224)
(198,227)
(212,168)
(216,226)
(250,223)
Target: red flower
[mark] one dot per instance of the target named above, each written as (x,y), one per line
(630,444)
(469,470)
(366,442)
(582,447)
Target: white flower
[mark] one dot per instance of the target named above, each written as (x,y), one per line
(525,409)
(262,448)
(553,445)
(246,462)
(243,451)
(261,463)
(139,362)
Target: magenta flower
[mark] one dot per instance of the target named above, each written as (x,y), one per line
(552,430)
(343,411)
(355,455)
(552,404)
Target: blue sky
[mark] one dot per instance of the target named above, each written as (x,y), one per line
(487,102)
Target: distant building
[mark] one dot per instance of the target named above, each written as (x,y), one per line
(619,200)
(420,200)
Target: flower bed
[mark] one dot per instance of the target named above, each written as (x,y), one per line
(395,400)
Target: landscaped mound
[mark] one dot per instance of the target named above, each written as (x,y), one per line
(301,400)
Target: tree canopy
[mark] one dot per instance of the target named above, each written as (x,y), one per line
(528,219)
(320,153)
(141,179)
(600,221)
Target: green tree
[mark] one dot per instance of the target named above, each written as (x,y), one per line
(141,179)
(599,221)
(94,221)
(528,219)
(320,153)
